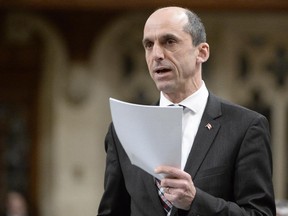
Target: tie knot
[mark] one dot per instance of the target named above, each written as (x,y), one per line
(182,106)
(179,105)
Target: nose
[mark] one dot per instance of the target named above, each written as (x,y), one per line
(158,53)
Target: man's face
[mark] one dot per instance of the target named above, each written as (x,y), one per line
(170,54)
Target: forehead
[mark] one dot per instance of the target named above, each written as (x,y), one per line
(165,21)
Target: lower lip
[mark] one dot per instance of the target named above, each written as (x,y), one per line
(163,74)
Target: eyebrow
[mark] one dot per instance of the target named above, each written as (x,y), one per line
(169,36)
(162,37)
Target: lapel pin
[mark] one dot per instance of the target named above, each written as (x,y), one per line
(209,126)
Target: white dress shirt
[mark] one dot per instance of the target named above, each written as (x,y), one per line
(192,114)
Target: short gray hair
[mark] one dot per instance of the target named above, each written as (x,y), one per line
(195,28)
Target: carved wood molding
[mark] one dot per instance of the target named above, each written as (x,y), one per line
(259,5)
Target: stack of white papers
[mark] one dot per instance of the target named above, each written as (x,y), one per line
(150,135)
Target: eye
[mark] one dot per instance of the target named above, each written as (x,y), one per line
(148,45)
(170,41)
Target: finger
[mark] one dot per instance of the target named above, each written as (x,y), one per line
(173,183)
(165,190)
(171,172)
(179,199)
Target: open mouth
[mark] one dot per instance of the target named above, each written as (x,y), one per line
(163,70)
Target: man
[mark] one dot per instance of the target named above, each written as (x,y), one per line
(226,158)
(16,204)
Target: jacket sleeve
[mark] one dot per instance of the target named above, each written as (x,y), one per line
(252,187)
(115,200)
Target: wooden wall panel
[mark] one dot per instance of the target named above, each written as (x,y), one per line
(267,5)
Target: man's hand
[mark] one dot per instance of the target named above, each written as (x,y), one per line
(178,186)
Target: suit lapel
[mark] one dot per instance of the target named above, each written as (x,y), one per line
(207,131)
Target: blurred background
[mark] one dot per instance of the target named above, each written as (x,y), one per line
(60,61)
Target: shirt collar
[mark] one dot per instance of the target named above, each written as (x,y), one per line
(195,102)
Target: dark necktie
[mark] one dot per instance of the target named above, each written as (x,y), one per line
(165,203)
(167,206)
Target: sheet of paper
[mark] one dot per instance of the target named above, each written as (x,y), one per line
(150,135)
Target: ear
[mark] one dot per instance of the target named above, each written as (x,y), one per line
(204,52)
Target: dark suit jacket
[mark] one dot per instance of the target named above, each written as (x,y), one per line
(230,165)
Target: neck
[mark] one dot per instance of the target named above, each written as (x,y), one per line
(178,96)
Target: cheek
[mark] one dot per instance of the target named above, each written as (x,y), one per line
(149,66)
(185,69)
(189,61)
(148,60)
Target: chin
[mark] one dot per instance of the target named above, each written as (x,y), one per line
(165,89)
